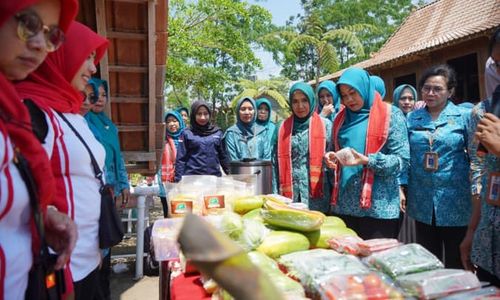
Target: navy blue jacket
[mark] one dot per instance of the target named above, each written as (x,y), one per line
(200,155)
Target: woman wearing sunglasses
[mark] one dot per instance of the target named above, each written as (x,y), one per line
(56,88)
(439,197)
(28,31)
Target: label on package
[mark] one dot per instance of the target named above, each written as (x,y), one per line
(214,201)
(181,207)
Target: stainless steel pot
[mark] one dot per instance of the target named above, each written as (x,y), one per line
(262,168)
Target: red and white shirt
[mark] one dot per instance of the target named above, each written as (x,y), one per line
(77,188)
(15,234)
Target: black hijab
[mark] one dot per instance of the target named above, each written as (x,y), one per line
(206,130)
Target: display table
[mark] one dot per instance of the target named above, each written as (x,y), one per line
(174,285)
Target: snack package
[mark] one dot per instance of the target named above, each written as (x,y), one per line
(358,286)
(164,236)
(345,244)
(368,247)
(405,259)
(438,283)
(314,267)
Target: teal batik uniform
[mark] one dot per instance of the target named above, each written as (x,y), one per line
(330,87)
(444,193)
(300,156)
(247,140)
(107,134)
(268,124)
(485,251)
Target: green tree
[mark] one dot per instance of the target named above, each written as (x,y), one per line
(210,45)
(333,34)
(274,89)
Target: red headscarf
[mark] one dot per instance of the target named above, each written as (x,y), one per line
(15,120)
(50,85)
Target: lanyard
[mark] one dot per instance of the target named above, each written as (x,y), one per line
(431,136)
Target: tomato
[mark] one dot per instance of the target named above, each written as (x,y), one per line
(376,294)
(372,280)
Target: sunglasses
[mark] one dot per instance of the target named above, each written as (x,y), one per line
(29,25)
(436,89)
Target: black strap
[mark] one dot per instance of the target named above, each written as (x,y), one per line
(24,171)
(95,165)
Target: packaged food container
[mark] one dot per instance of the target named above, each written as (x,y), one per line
(345,244)
(359,286)
(405,259)
(164,234)
(344,156)
(438,283)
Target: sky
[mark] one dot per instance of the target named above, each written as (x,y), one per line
(281,11)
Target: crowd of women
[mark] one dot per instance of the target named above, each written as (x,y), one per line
(351,155)
(55,141)
(387,170)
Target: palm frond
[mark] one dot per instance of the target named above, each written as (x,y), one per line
(278,97)
(347,37)
(329,59)
(301,41)
(246,93)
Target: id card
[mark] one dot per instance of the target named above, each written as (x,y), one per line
(431,161)
(493,191)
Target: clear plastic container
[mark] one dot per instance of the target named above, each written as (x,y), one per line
(359,286)
(344,156)
(345,244)
(438,283)
(405,259)
(164,234)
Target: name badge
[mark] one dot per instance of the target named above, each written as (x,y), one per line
(493,191)
(431,161)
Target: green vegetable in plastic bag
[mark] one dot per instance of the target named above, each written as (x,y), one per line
(281,281)
(277,243)
(253,234)
(319,238)
(243,205)
(291,218)
(254,215)
(232,225)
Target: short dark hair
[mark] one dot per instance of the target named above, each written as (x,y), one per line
(494,40)
(440,70)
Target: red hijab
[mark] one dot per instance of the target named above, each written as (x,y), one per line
(15,121)
(50,85)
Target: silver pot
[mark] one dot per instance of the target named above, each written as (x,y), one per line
(262,168)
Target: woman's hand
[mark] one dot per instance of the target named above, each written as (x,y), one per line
(330,160)
(402,200)
(327,110)
(465,248)
(125,196)
(488,133)
(61,235)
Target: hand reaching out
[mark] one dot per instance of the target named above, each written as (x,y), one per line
(61,235)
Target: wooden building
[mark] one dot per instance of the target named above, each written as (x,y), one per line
(455,32)
(134,67)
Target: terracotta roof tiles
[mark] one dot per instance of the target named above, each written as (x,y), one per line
(436,24)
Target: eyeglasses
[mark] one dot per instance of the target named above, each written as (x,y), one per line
(436,89)
(405,98)
(29,25)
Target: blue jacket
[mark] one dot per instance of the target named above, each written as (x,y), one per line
(446,192)
(200,155)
